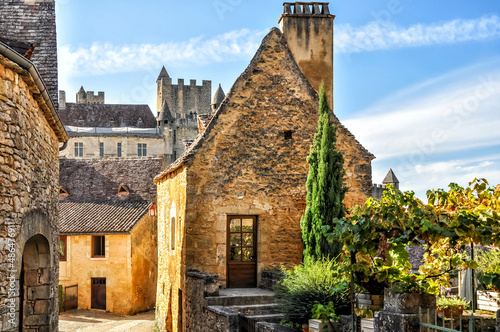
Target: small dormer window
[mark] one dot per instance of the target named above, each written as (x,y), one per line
(80,119)
(139,122)
(62,193)
(123,191)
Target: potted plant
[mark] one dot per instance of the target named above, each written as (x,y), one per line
(451,305)
(324,317)
(409,292)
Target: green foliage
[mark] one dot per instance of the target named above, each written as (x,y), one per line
(325,190)
(363,312)
(379,231)
(444,302)
(413,283)
(488,270)
(309,284)
(325,313)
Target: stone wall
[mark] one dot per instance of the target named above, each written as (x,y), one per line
(144,264)
(34,22)
(171,262)
(29,175)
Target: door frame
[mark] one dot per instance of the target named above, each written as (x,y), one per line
(228,247)
(93,294)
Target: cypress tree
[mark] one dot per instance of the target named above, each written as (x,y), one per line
(325,189)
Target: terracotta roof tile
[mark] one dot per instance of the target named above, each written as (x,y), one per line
(100,217)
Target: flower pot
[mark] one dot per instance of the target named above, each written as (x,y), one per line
(318,325)
(305,328)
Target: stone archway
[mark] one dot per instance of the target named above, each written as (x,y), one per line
(36,298)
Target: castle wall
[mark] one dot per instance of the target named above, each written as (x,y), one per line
(184,99)
(30,22)
(29,173)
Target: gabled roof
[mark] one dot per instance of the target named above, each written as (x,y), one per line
(390,177)
(100,217)
(209,122)
(107,115)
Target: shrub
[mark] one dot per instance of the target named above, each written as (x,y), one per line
(309,284)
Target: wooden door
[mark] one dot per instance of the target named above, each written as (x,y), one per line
(98,293)
(242,251)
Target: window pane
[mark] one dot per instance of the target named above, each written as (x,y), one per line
(235,254)
(247,254)
(235,225)
(247,225)
(235,239)
(247,239)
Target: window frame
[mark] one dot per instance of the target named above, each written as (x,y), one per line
(64,239)
(103,244)
(101,149)
(142,149)
(119,149)
(78,149)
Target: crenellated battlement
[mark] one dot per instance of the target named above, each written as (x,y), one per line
(306,8)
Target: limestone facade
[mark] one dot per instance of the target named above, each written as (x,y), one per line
(248,164)
(129,267)
(30,132)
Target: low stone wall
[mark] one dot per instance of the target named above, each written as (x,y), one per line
(272,327)
(196,317)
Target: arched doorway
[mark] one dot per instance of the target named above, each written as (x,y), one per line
(36,290)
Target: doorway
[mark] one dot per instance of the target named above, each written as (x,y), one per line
(242,251)
(98,293)
(35,283)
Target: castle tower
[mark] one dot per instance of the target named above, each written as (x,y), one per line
(81,96)
(308,30)
(391,178)
(164,116)
(219,96)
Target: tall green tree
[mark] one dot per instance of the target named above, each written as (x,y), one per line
(325,189)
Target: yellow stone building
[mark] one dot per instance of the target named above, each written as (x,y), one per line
(108,232)
(231,204)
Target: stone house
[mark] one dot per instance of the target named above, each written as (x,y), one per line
(30,133)
(108,232)
(231,204)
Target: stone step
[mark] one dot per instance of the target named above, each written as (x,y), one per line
(256,309)
(249,322)
(239,300)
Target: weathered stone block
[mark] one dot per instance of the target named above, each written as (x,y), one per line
(37,320)
(391,322)
(38,293)
(42,307)
(408,303)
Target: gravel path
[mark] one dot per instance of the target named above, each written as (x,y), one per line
(100,321)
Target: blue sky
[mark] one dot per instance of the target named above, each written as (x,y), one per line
(417,82)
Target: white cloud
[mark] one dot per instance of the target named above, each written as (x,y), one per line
(106,58)
(438,131)
(379,35)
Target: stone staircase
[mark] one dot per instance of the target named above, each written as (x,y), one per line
(244,308)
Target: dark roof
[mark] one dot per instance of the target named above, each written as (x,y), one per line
(100,217)
(99,179)
(163,73)
(218,96)
(107,115)
(165,114)
(390,177)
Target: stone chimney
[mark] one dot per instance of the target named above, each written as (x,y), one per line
(308,30)
(62,99)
